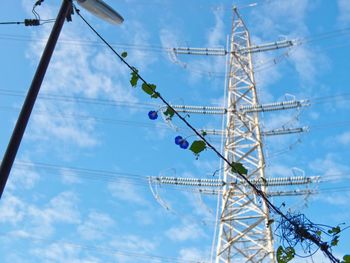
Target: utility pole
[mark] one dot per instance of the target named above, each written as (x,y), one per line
(28,105)
(96,7)
(245,233)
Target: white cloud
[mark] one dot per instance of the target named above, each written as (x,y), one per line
(308,62)
(134,243)
(199,67)
(210,66)
(96,226)
(23,176)
(144,218)
(207,168)
(60,209)
(280,120)
(276,19)
(50,126)
(187,231)
(40,219)
(126,191)
(265,76)
(193,254)
(69,177)
(62,252)
(335,199)
(168,38)
(344,11)
(131,246)
(314,115)
(77,70)
(319,257)
(199,208)
(291,12)
(330,168)
(137,35)
(216,34)
(278,170)
(343,139)
(11,209)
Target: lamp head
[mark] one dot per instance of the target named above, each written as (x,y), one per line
(102,10)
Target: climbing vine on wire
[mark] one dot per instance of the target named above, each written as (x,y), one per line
(299,231)
(197,146)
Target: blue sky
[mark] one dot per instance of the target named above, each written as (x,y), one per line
(78,191)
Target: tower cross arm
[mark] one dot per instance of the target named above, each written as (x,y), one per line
(266,47)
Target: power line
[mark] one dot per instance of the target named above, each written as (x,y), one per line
(257,190)
(30,22)
(285,218)
(94,174)
(86,42)
(120,122)
(84,100)
(142,105)
(112,121)
(335,189)
(137,178)
(156,48)
(97,119)
(102,250)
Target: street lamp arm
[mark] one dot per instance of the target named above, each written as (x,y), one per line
(102,10)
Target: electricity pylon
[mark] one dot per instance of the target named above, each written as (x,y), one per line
(245,233)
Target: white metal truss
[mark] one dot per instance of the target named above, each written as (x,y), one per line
(244,232)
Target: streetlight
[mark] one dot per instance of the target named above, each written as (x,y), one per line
(98,8)
(102,10)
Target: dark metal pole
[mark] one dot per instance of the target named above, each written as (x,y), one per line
(22,121)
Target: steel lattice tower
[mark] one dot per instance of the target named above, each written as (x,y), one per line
(244,232)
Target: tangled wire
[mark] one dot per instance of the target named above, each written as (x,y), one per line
(298,231)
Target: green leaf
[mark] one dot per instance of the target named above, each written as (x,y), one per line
(198,146)
(319,233)
(155,95)
(335,241)
(148,88)
(279,253)
(124,54)
(134,78)
(334,231)
(204,133)
(285,255)
(238,168)
(169,113)
(346,259)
